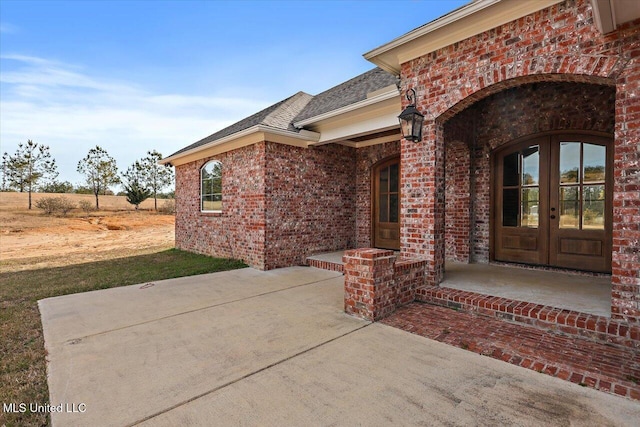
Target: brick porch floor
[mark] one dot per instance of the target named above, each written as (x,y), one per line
(607,367)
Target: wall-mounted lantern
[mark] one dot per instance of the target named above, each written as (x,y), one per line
(411,119)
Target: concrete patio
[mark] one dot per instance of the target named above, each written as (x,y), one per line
(274,348)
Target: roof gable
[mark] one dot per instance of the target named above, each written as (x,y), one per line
(278,116)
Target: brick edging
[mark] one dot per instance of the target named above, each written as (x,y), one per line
(325,265)
(571,322)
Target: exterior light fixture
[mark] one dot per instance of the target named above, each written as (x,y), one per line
(411,119)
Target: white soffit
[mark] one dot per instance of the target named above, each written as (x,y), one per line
(373,99)
(469,20)
(610,14)
(369,118)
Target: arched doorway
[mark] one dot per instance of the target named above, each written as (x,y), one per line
(386,204)
(552,201)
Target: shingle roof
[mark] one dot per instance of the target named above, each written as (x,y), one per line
(302,106)
(279,116)
(347,93)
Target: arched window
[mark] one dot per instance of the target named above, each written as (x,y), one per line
(211,187)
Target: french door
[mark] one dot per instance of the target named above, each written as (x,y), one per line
(386,204)
(552,202)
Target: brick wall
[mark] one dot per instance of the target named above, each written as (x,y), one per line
(559,43)
(366,158)
(458,201)
(310,202)
(238,232)
(281,204)
(625,296)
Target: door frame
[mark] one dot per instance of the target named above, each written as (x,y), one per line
(372,213)
(594,135)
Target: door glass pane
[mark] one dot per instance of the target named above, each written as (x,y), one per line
(393,178)
(529,205)
(531,165)
(594,162)
(393,208)
(384,180)
(384,208)
(510,207)
(510,169)
(593,207)
(569,207)
(569,162)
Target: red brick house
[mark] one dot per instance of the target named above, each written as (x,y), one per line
(529,154)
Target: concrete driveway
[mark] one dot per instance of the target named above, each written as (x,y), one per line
(274,348)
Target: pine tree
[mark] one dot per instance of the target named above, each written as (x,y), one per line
(30,164)
(100,170)
(155,176)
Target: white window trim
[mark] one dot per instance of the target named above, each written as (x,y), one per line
(201,192)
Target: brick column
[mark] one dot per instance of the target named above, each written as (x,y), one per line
(368,283)
(625,277)
(422,206)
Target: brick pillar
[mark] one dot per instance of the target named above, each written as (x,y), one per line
(625,292)
(422,211)
(368,283)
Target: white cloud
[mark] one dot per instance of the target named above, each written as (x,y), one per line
(6,28)
(70,110)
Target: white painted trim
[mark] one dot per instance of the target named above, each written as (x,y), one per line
(603,15)
(608,15)
(393,92)
(302,136)
(201,169)
(467,21)
(443,21)
(373,141)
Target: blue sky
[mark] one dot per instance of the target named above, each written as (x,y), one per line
(133,76)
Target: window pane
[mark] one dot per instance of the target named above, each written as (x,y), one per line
(212,202)
(569,207)
(530,203)
(393,178)
(211,186)
(384,180)
(593,207)
(569,162)
(510,169)
(384,208)
(594,162)
(510,207)
(393,208)
(531,165)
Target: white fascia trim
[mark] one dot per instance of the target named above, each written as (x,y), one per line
(604,15)
(468,21)
(348,108)
(443,21)
(304,135)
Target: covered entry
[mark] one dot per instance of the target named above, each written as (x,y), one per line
(551,202)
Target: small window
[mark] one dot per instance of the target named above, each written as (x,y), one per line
(211,187)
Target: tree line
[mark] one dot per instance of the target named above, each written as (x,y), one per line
(32,168)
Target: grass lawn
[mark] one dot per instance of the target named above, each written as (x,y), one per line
(23,376)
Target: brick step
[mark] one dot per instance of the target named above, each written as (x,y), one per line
(610,368)
(325,265)
(600,328)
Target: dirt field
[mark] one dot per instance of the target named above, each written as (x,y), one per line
(31,240)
